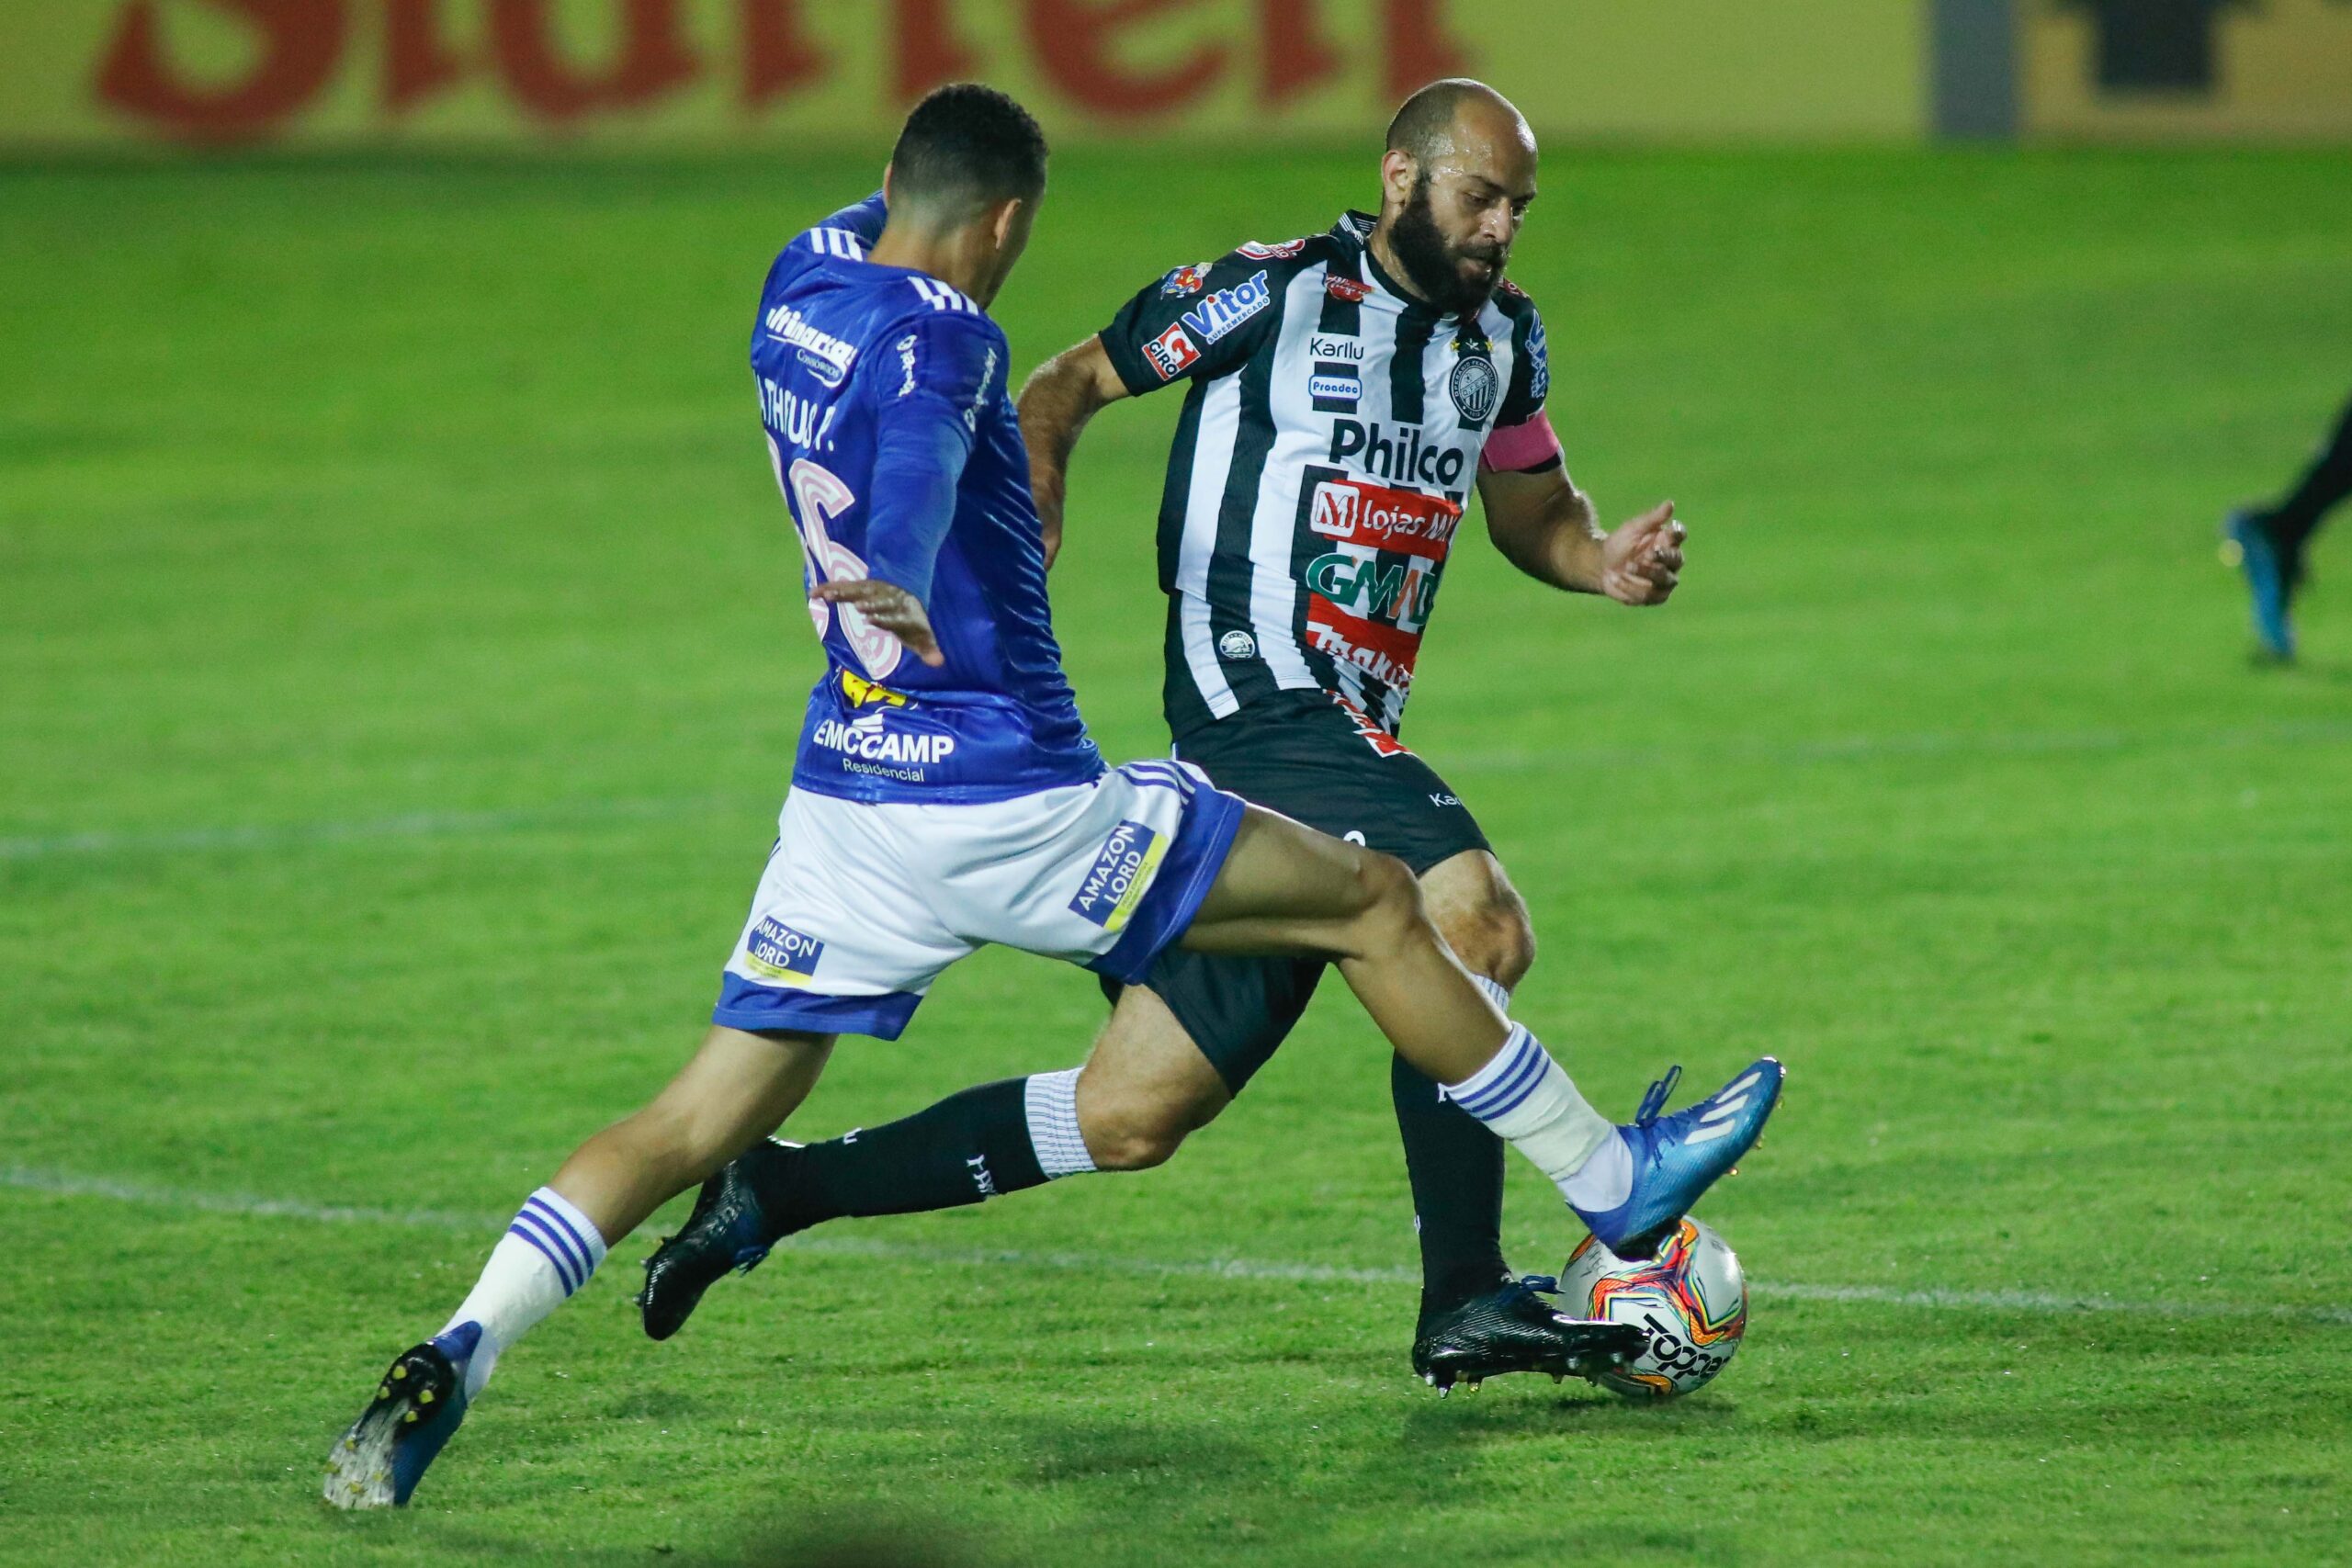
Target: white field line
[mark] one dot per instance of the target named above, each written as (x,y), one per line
(2045,1303)
(1805,753)
(409,824)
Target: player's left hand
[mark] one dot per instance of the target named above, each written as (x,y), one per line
(1641,561)
(889,608)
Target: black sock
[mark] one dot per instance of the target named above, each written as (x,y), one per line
(970,1146)
(1456,1166)
(2325,484)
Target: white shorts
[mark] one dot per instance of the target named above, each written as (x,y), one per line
(864,905)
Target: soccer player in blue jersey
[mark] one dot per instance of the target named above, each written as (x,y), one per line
(947,795)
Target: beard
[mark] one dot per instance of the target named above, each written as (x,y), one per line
(1433,264)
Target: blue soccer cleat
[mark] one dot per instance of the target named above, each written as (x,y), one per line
(379,1461)
(2269,579)
(1676,1157)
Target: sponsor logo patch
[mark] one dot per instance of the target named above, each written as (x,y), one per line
(1352,291)
(870,739)
(775,952)
(1335,389)
(1257,252)
(1171,353)
(863,693)
(1323,345)
(1185,280)
(1114,884)
(1237,645)
(827,357)
(1226,309)
(1398,455)
(1539,364)
(1385,519)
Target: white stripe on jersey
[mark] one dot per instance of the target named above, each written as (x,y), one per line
(1212,461)
(1298,439)
(843,243)
(940,297)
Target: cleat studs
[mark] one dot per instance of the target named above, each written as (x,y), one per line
(411,1418)
(425,1397)
(1444,1389)
(399,1372)
(1559,1377)
(384,1391)
(351,1445)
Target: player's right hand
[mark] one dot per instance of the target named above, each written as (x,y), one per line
(889,608)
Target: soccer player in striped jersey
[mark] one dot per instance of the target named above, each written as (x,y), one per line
(945,797)
(1346,391)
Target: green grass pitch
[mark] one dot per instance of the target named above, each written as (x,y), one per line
(399,668)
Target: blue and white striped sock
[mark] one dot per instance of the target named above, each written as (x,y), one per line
(1529,1102)
(548,1252)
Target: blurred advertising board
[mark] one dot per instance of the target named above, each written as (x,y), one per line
(672,74)
(680,73)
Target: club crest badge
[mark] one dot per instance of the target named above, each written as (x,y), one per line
(1475,388)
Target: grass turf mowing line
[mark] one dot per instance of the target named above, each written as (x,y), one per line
(73,1185)
(433,489)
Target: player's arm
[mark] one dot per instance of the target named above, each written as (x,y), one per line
(1194,321)
(1547,527)
(924,434)
(1539,519)
(1057,401)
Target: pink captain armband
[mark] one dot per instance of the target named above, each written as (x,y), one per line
(1521,446)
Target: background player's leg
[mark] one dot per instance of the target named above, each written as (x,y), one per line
(1455,1164)
(1144,1086)
(2324,485)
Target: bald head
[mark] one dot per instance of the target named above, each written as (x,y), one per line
(1453,111)
(1455,181)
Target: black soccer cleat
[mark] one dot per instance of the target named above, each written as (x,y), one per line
(418,1405)
(1516,1328)
(727,1230)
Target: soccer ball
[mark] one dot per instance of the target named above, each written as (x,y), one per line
(1692,1299)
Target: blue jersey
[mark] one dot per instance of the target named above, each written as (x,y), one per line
(884,395)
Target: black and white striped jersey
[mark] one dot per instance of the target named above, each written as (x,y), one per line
(1331,433)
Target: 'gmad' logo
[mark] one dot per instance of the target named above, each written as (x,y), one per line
(1120,874)
(779,953)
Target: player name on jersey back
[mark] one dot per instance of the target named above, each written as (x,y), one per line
(847,357)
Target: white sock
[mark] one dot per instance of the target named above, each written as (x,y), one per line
(1531,1103)
(1496,993)
(1051,1101)
(546,1255)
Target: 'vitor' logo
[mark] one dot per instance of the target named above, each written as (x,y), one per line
(1228,308)
(1120,872)
(776,952)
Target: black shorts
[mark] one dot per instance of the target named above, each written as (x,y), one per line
(1304,755)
